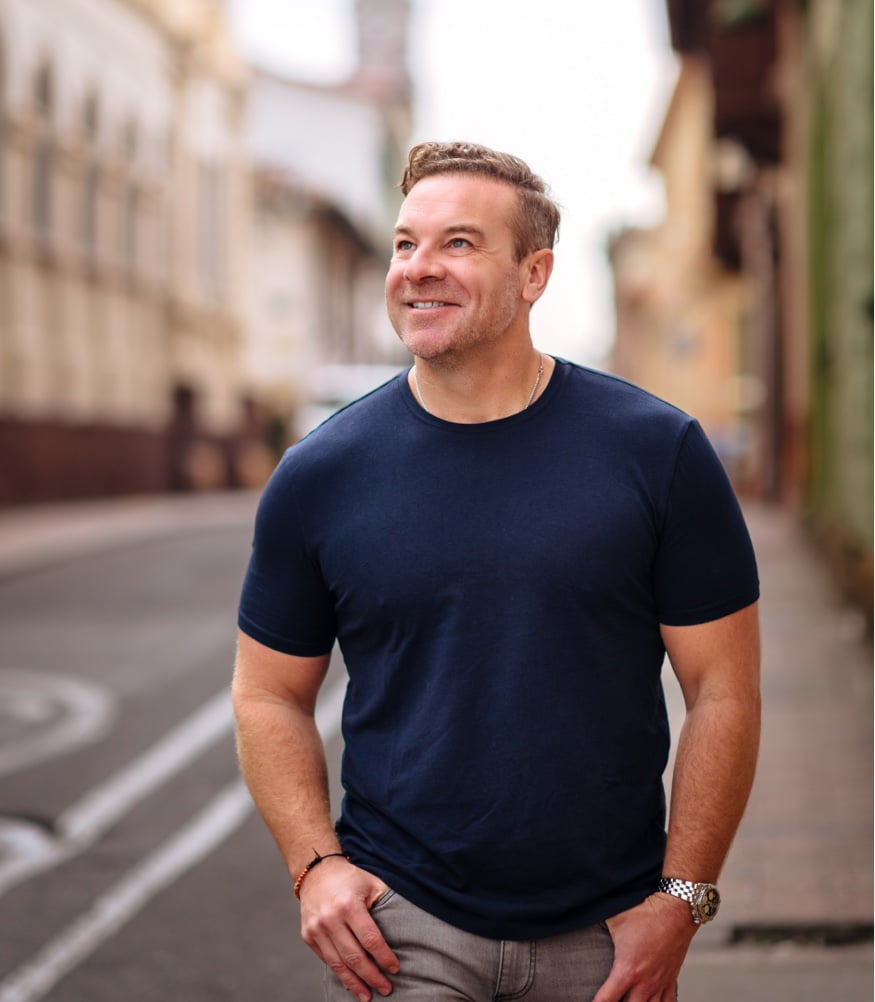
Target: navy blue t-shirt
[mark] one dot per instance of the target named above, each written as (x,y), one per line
(497,591)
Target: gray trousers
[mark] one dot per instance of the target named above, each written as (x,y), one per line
(440,963)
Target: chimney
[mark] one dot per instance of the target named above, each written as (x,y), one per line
(382,44)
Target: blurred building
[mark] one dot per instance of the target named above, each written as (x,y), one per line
(121,200)
(326,162)
(680,311)
(192,252)
(750,305)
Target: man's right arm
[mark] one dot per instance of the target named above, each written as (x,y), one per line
(283,761)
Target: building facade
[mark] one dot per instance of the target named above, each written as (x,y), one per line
(122,193)
(326,160)
(767,156)
(838,148)
(680,311)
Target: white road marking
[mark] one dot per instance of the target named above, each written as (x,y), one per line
(83,822)
(60,713)
(106,803)
(205,832)
(113,909)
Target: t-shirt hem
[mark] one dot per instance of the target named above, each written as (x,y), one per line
(480,925)
(709,613)
(281,644)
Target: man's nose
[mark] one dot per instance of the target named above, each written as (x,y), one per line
(423,264)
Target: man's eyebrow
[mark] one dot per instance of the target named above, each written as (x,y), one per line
(464,228)
(450,230)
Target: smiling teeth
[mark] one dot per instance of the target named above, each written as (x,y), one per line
(426,306)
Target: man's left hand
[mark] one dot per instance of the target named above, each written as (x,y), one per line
(650,944)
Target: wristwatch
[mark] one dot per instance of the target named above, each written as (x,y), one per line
(703,899)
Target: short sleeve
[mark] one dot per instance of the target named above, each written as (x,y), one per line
(705,566)
(284,603)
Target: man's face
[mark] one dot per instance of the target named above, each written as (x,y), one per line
(454,282)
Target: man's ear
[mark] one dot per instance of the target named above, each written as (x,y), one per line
(536,270)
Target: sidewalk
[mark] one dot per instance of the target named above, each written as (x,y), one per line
(800,874)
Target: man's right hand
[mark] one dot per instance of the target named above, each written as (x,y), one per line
(336,924)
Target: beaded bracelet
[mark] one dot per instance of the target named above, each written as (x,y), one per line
(313,862)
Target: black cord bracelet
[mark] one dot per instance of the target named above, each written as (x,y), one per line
(313,862)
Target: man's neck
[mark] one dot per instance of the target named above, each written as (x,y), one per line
(474,392)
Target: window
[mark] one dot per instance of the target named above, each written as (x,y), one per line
(90,176)
(131,198)
(211,227)
(130,213)
(2,128)
(43,96)
(90,202)
(43,152)
(91,119)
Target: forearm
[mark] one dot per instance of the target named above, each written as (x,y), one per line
(282,759)
(712,778)
(711,783)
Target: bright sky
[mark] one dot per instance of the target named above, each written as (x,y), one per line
(577,88)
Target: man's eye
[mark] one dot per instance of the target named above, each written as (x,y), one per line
(457,243)
(403,245)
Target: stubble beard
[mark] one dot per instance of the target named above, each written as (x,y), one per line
(450,346)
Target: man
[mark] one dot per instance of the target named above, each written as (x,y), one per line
(505,545)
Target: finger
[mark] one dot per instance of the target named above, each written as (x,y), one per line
(356,951)
(352,966)
(613,990)
(367,932)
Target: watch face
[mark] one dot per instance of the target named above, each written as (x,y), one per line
(707,902)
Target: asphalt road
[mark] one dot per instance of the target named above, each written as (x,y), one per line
(132,865)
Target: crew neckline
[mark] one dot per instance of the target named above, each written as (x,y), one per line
(557,377)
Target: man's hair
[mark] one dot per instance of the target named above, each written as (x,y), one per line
(537,220)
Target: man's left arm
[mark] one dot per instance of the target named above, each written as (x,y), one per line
(717,665)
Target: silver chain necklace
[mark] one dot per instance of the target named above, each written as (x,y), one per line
(528,402)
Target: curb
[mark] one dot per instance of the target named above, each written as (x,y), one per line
(35,538)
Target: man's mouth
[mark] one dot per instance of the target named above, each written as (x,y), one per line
(431,304)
